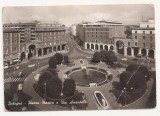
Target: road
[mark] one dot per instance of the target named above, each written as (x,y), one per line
(11,75)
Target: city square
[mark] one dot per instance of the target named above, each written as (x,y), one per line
(87,66)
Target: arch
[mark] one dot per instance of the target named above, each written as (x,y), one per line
(39,52)
(63,46)
(111,47)
(144,52)
(88,46)
(92,46)
(23,56)
(32,51)
(129,51)
(136,50)
(106,47)
(59,48)
(101,47)
(96,46)
(120,47)
(54,48)
(151,53)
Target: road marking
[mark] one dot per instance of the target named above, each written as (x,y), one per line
(14,80)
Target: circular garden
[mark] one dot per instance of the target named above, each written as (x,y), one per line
(88,75)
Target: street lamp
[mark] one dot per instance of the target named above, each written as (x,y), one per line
(38,66)
(45,90)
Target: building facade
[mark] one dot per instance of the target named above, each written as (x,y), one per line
(142,41)
(27,40)
(99,35)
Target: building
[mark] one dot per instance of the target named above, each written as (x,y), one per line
(142,42)
(11,45)
(99,35)
(26,40)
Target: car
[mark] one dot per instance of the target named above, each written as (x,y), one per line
(31,65)
(124,59)
(6,66)
(101,100)
(17,67)
(88,57)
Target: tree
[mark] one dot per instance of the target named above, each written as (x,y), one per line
(59,58)
(112,58)
(53,71)
(43,78)
(96,57)
(132,67)
(130,80)
(143,69)
(53,88)
(110,52)
(52,62)
(103,54)
(66,59)
(69,87)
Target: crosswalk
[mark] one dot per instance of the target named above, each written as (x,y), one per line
(13,80)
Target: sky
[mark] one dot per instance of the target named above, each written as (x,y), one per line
(128,14)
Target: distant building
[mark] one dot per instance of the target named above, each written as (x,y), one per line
(11,45)
(99,35)
(26,40)
(73,29)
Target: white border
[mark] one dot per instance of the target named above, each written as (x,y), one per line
(145,112)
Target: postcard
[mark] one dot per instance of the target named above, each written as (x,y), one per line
(79,57)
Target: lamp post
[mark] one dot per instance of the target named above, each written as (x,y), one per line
(45,90)
(38,66)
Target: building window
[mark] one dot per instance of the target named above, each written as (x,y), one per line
(15,40)
(147,26)
(6,50)
(135,37)
(96,41)
(6,34)
(135,31)
(135,43)
(111,42)
(143,37)
(150,32)
(128,43)
(144,45)
(6,41)
(143,32)
(15,48)
(151,38)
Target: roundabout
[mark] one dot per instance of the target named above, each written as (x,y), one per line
(88,76)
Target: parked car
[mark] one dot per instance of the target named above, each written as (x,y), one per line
(101,100)
(6,66)
(31,65)
(17,67)
(88,57)
(124,59)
